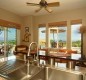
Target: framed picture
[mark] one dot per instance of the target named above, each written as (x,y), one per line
(26,37)
(26,29)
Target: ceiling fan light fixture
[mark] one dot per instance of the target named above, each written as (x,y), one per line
(44,4)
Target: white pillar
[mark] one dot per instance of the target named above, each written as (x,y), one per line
(68,35)
(84,37)
(47,36)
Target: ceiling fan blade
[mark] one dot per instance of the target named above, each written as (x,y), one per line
(54,4)
(38,9)
(47,9)
(32,4)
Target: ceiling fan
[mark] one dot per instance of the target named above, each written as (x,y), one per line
(44,4)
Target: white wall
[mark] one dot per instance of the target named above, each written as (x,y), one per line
(62,16)
(27,22)
(6,15)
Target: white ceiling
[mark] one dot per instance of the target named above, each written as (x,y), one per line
(19,7)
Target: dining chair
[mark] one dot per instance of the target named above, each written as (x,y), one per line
(21,51)
(65,51)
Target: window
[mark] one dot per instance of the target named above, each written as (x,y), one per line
(57,34)
(11,39)
(42,37)
(62,37)
(76,37)
(57,37)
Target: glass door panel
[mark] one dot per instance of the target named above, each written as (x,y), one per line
(42,37)
(62,37)
(11,41)
(76,37)
(53,37)
(7,41)
(57,37)
(1,41)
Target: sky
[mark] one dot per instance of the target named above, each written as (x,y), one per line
(11,34)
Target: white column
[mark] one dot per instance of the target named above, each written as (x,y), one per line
(31,28)
(47,36)
(84,37)
(5,43)
(68,35)
(18,36)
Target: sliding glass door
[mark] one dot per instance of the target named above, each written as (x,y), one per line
(7,41)
(11,40)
